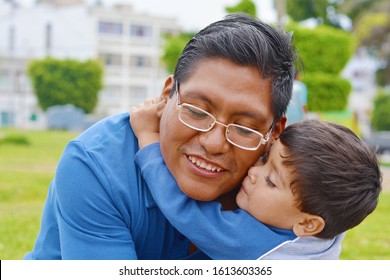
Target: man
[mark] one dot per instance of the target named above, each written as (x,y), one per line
(239,71)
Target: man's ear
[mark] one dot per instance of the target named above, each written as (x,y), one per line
(309,225)
(164,97)
(168,85)
(279,126)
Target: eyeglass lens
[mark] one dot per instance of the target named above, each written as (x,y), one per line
(201,120)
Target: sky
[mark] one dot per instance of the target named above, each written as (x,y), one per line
(197,13)
(190,14)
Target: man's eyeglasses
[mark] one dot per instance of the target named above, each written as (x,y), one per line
(201,120)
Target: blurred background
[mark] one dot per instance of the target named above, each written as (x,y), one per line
(65,64)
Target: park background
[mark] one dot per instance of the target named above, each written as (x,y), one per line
(344,45)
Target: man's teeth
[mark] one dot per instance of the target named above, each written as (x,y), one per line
(204,165)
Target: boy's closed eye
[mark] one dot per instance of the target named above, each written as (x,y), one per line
(269,182)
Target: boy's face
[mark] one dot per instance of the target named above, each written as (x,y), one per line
(204,164)
(266,193)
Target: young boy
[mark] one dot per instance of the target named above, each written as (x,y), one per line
(318,181)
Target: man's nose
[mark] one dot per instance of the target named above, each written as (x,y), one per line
(214,141)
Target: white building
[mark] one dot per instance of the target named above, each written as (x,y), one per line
(128,44)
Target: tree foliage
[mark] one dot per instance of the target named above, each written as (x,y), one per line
(381,114)
(370,20)
(323,60)
(327,92)
(371,25)
(244,6)
(300,10)
(60,82)
(324,11)
(320,48)
(173,46)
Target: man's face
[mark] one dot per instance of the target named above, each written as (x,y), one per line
(205,164)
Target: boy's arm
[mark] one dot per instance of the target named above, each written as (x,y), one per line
(219,234)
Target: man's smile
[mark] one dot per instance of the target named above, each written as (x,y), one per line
(205,165)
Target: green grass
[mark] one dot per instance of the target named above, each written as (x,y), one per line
(386,164)
(28,160)
(346,118)
(371,239)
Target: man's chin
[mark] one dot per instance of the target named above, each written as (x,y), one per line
(199,193)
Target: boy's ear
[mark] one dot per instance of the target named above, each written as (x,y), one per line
(164,97)
(309,225)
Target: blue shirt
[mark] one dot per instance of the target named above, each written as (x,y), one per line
(220,234)
(226,234)
(98,206)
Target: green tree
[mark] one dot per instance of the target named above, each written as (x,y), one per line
(320,50)
(381,114)
(173,46)
(244,6)
(323,61)
(371,26)
(300,10)
(60,82)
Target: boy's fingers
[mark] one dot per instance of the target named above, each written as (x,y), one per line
(148,101)
(154,100)
(157,99)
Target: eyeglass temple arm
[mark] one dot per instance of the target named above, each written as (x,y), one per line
(266,138)
(177,92)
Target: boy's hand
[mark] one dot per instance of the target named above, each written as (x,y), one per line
(145,121)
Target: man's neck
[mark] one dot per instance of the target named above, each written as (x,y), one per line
(228,200)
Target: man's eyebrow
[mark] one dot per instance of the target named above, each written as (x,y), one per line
(240,112)
(251,115)
(198,95)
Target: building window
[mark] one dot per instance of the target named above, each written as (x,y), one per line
(6,119)
(5,81)
(112,28)
(137,95)
(22,82)
(138,61)
(48,38)
(110,94)
(11,39)
(140,31)
(110,59)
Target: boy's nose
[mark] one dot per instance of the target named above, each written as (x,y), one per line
(252,175)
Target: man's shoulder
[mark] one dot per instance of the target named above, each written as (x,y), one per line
(110,129)
(110,139)
(113,122)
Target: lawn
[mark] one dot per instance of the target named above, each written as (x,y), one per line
(28,160)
